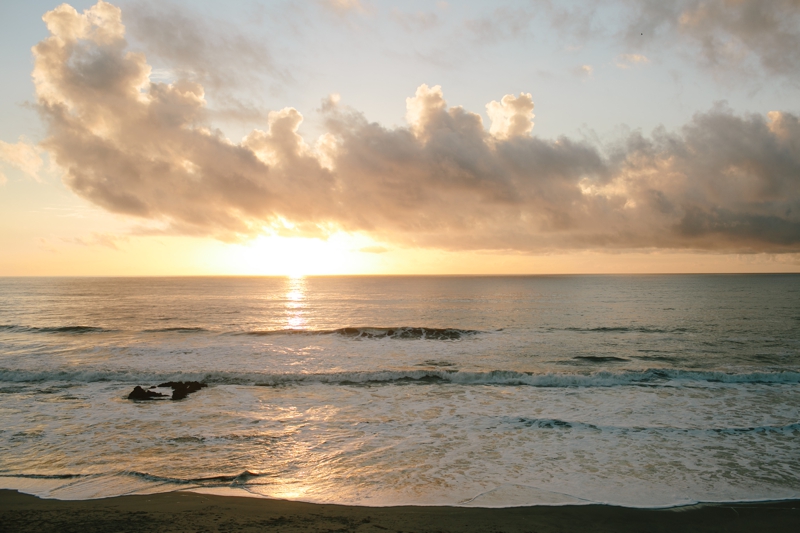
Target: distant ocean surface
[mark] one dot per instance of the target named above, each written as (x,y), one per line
(488,391)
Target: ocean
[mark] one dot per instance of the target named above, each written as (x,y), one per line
(643,391)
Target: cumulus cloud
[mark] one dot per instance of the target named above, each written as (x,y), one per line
(729,34)
(146,149)
(22,156)
(511,117)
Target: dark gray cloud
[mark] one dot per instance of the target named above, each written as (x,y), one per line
(723,182)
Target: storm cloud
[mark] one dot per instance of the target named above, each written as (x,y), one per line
(145,149)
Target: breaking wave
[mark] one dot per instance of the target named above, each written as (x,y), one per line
(401,332)
(378,333)
(651,377)
(176,330)
(634,329)
(554,423)
(46,476)
(219,480)
(600,358)
(54,329)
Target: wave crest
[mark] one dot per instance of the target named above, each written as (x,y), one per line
(651,377)
(629,329)
(554,423)
(403,332)
(54,329)
(400,332)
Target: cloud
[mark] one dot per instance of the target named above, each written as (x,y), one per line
(511,117)
(105,240)
(625,61)
(726,37)
(216,54)
(45,245)
(729,35)
(503,23)
(583,71)
(146,149)
(22,156)
(374,249)
(416,22)
(343,7)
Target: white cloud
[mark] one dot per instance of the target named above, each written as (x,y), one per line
(22,156)
(146,149)
(511,117)
(625,61)
(344,6)
(584,71)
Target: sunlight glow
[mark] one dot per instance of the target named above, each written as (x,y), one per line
(297,257)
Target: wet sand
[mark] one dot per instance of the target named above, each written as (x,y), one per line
(186,511)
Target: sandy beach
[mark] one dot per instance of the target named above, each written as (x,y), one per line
(185,511)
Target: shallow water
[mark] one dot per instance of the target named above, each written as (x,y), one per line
(490,391)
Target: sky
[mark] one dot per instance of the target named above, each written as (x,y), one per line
(422,137)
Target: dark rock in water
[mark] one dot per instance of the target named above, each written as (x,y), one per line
(181,389)
(139,393)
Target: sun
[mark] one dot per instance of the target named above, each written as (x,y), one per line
(297,257)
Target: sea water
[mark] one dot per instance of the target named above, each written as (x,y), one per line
(488,391)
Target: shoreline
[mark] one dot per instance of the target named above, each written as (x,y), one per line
(192,511)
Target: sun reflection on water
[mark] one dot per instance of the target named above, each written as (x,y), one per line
(295,302)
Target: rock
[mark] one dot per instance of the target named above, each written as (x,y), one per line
(139,393)
(181,389)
